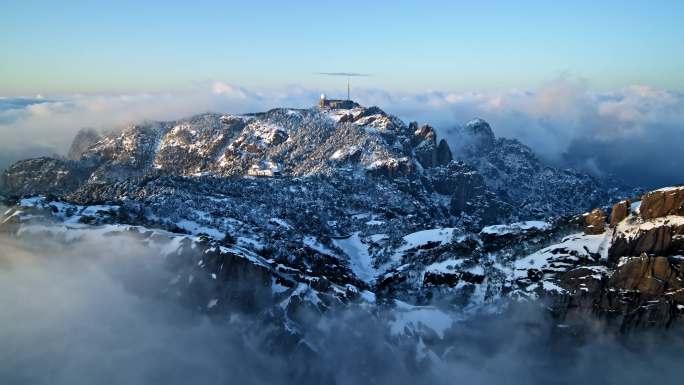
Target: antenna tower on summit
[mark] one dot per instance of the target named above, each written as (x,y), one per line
(348,93)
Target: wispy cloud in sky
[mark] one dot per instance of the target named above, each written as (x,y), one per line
(346,74)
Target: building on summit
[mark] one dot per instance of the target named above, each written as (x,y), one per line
(332,104)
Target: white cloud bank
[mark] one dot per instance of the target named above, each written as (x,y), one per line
(635,132)
(95,310)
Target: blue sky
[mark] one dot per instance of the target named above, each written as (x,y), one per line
(146,46)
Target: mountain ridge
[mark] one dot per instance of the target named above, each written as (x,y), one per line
(305,142)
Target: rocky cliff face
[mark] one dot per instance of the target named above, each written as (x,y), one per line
(629,274)
(656,230)
(514,173)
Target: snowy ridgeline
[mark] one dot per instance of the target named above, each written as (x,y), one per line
(369,255)
(516,228)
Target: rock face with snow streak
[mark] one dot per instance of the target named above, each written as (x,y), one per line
(660,236)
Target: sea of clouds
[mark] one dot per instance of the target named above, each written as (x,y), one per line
(93,311)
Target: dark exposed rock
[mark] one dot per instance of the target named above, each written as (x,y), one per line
(472,278)
(468,192)
(535,275)
(443,153)
(422,133)
(465,190)
(427,151)
(651,276)
(243,284)
(448,180)
(645,286)
(512,237)
(643,292)
(581,280)
(85,138)
(436,278)
(439,279)
(45,175)
(388,282)
(474,139)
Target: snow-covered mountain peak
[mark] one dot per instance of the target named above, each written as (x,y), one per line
(473,138)
(495,178)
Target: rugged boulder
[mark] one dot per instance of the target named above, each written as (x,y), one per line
(595,222)
(627,293)
(619,212)
(655,229)
(663,202)
(443,152)
(428,152)
(421,133)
